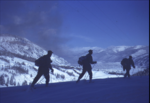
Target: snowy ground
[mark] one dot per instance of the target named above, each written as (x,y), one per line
(110,90)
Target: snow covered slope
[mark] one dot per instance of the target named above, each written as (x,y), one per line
(110,90)
(17,56)
(25,49)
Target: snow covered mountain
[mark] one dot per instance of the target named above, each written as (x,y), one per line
(115,54)
(24,49)
(17,56)
(109,59)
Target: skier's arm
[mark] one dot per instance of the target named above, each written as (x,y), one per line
(50,67)
(91,60)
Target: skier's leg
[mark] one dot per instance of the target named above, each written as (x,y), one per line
(128,72)
(46,75)
(123,68)
(125,73)
(126,68)
(39,74)
(90,74)
(81,75)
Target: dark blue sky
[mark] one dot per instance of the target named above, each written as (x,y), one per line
(106,23)
(59,25)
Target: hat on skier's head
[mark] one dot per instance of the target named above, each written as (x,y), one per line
(50,52)
(90,51)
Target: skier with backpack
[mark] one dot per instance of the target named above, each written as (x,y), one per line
(127,63)
(86,62)
(44,66)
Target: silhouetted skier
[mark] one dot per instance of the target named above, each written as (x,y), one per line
(87,65)
(127,63)
(44,66)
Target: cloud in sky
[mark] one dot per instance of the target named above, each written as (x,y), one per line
(38,21)
(83,38)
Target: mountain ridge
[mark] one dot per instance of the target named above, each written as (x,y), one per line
(113,54)
(17,56)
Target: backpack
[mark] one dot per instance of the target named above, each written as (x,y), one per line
(39,61)
(124,62)
(81,60)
